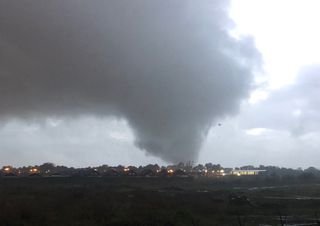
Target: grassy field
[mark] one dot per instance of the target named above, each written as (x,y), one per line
(156,201)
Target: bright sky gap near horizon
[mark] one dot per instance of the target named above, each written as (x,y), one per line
(279,124)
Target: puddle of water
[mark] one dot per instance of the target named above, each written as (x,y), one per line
(292,198)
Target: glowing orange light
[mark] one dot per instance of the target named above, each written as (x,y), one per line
(170,171)
(34,170)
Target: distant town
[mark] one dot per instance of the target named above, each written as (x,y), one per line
(153,195)
(178,170)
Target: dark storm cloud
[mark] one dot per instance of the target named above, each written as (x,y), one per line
(168,67)
(294,108)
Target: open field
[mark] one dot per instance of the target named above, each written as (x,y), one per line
(157,201)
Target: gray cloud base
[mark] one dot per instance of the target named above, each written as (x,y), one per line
(168,67)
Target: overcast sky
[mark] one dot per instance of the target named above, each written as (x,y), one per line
(139,82)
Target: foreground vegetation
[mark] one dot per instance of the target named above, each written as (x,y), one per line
(158,201)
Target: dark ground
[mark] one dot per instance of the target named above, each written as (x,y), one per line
(157,201)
